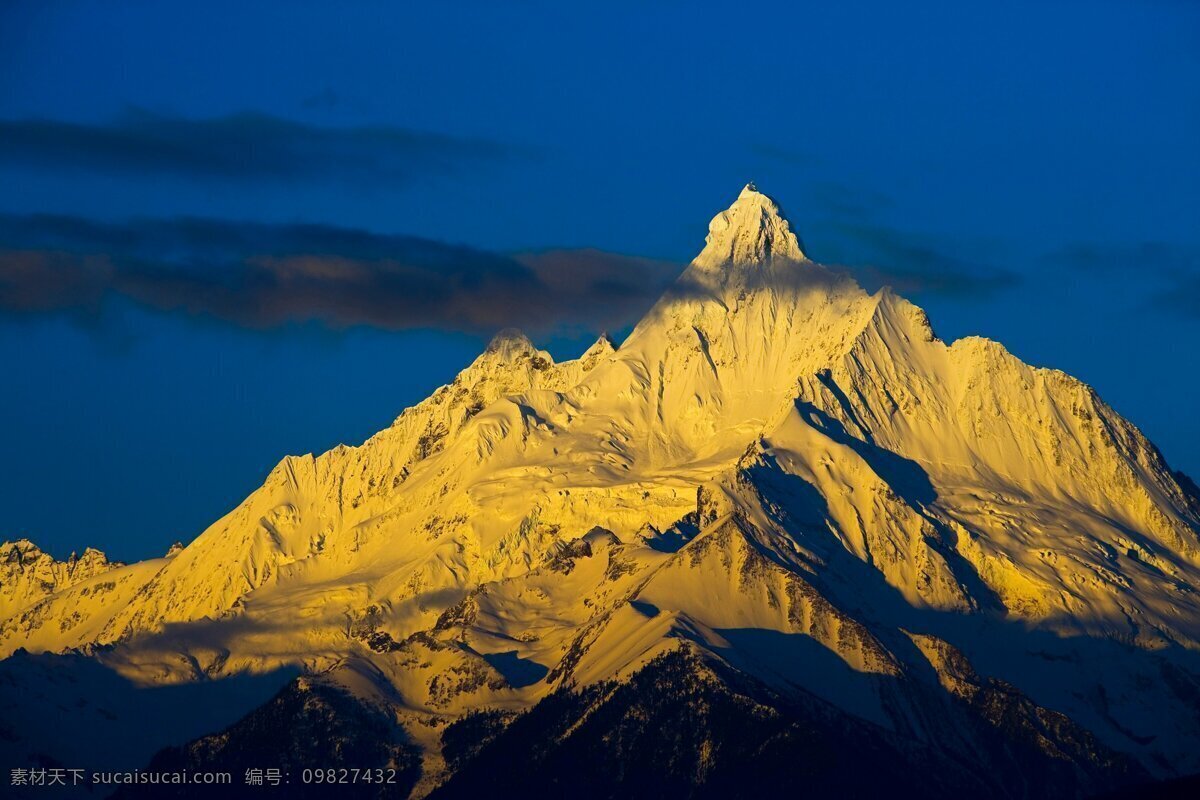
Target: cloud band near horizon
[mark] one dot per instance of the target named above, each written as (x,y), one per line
(263,276)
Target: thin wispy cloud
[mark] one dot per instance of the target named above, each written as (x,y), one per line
(844,203)
(264,276)
(1182,295)
(912,263)
(850,223)
(243,147)
(788,156)
(1156,257)
(1170,270)
(325,99)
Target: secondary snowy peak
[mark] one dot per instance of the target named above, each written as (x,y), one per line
(751,231)
(600,349)
(27,574)
(510,344)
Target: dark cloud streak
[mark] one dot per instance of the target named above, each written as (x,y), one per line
(263,276)
(243,147)
(1182,296)
(1175,268)
(910,263)
(1157,257)
(849,220)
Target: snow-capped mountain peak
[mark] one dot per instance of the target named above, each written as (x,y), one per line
(776,470)
(510,343)
(751,231)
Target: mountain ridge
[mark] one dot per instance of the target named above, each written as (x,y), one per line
(776,471)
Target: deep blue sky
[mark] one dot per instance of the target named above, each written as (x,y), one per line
(1026,172)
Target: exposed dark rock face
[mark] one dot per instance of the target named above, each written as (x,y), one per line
(308,725)
(683,726)
(1035,749)
(679,728)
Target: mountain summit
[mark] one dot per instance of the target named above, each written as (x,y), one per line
(781,523)
(751,231)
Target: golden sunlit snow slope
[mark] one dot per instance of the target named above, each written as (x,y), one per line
(28,575)
(774,461)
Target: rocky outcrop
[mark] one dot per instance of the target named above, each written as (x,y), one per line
(28,575)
